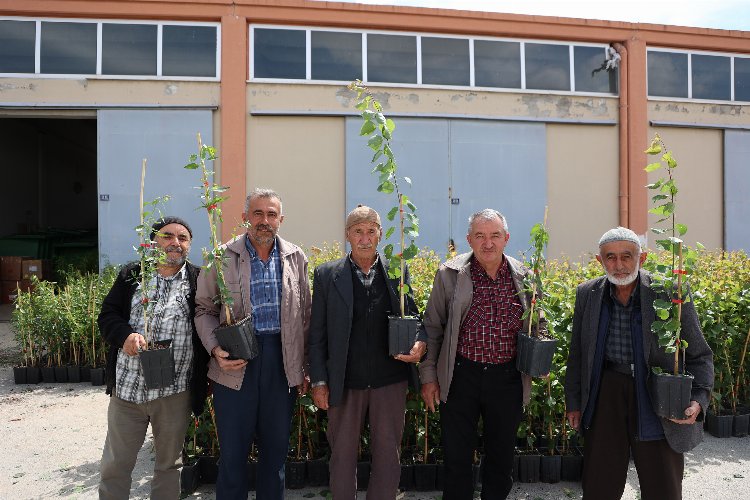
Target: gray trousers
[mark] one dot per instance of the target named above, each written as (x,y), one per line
(126,430)
(386,406)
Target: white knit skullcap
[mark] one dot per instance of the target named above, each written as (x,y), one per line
(620,234)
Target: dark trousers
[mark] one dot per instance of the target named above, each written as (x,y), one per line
(386,406)
(261,409)
(611,437)
(495,393)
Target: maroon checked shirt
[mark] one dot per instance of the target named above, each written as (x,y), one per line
(488,334)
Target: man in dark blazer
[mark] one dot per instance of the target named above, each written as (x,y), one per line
(612,352)
(351,371)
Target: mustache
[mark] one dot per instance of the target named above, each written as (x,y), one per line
(365,246)
(174,248)
(263,227)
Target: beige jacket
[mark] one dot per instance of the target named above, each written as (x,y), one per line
(447,307)
(295,308)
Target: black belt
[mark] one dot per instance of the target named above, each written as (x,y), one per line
(624,368)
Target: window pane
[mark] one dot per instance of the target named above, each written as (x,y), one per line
(392,58)
(667,74)
(17,46)
(279,53)
(445,61)
(547,66)
(68,48)
(497,64)
(129,49)
(590,70)
(188,51)
(741,79)
(712,77)
(336,55)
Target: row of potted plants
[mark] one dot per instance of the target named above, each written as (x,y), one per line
(55,327)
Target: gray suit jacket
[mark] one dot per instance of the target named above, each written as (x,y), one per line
(699,358)
(331,323)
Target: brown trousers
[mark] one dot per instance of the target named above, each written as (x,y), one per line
(609,441)
(386,407)
(126,430)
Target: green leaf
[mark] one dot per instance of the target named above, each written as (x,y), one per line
(411,206)
(411,251)
(191,166)
(658,197)
(375,142)
(667,157)
(390,125)
(652,166)
(386,187)
(389,232)
(388,251)
(392,213)
(681,229)
(367,128)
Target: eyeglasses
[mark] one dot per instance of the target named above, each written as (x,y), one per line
(169,237)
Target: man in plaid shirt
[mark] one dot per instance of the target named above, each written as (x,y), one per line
(133,405)
(472,319)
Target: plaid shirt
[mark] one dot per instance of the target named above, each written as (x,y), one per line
(265,290)
(170,320)
(368,278)
(619,345)
(488,333)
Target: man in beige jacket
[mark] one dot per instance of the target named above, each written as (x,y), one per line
(472,319)
(267,277)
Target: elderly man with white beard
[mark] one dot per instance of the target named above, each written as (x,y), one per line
(612,352)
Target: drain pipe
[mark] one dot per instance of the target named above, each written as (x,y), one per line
(624,184)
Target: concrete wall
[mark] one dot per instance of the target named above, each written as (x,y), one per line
(302,159)
(582,185)
(699,177)
(95,92)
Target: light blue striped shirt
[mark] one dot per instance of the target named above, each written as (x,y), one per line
(265,290)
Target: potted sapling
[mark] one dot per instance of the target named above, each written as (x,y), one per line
(670,392)
(536,346)
(156,359)
(402,329)
(236,336)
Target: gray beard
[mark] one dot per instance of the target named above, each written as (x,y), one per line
(626,280)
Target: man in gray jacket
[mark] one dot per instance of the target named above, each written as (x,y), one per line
(472,319)
(612,351)
(267,276)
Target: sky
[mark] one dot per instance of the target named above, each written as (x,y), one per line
(723,14)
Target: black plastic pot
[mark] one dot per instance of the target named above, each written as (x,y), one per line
(97,376)
(529,468)
(209,469)
(238,339)
(86,373)
(424,477)
(48,374)
(670,394)
(406,482)
(61,374)
(534,354)
(740,424)
(571,466)
(719,426)
(74,374)
(295,475)
(402,333)
(516,460)
(157,365)
(19,374)
(363,475)
(439,475)
(33,375)
(317,472)
(190,478)
(550,468)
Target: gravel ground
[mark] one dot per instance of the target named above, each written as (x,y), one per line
(56,432)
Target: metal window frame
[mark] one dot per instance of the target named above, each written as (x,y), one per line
(98,75)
